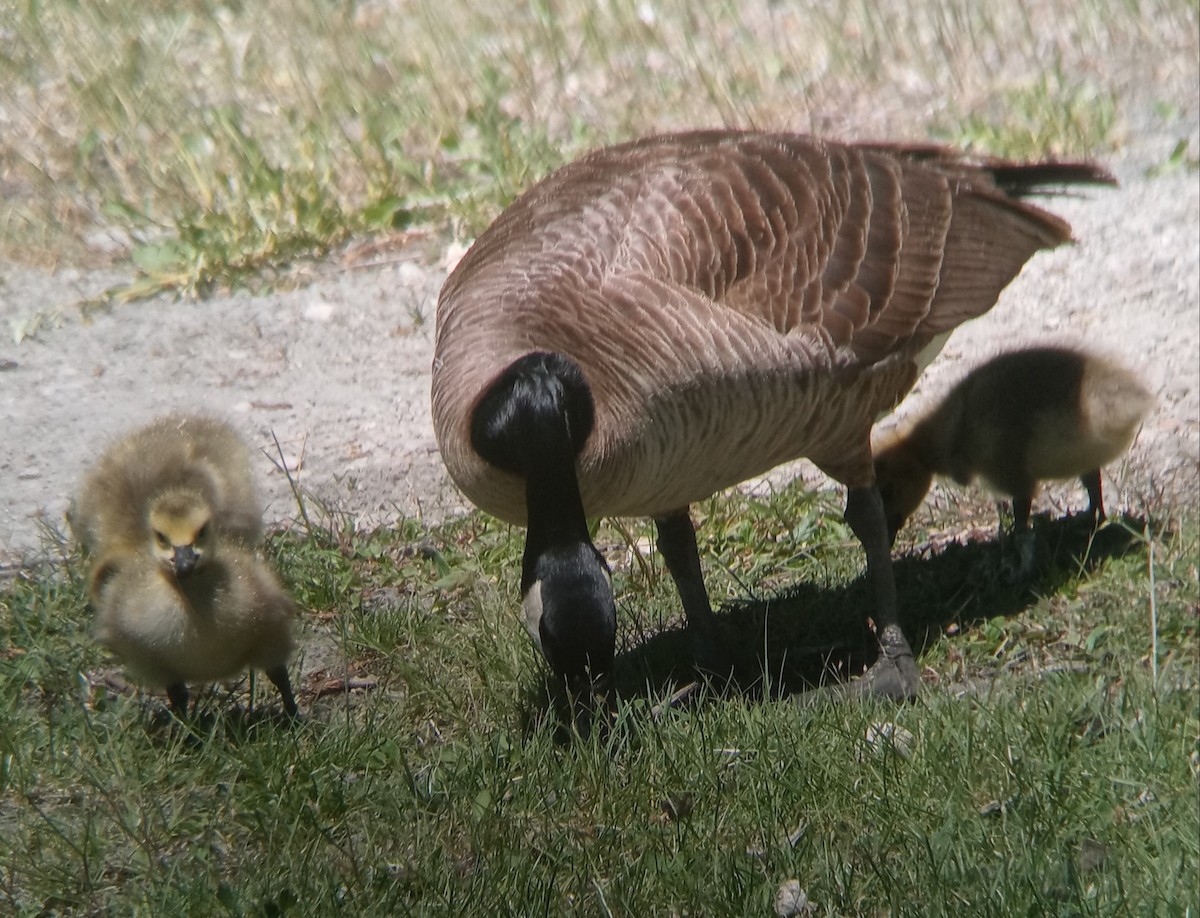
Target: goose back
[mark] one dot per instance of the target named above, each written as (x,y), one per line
(734,300)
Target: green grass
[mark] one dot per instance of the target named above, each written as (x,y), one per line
(1054,754)
(1052,768)
(219,142)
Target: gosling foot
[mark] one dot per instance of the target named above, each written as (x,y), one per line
(1019,561)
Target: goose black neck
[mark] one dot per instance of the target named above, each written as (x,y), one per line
(533,421)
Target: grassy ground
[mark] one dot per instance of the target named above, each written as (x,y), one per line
(218,142)
(1049,767)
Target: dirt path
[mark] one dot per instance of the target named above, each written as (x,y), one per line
(338,371)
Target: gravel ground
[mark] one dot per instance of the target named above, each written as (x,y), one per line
(337,371)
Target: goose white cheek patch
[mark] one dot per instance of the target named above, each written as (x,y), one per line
(532,607)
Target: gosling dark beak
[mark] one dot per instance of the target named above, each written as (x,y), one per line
(184,560)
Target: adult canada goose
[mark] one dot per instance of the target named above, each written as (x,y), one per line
(169,488)
(224,617)
(665,318)
(1021,418)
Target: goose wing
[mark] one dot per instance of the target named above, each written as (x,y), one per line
(864,245)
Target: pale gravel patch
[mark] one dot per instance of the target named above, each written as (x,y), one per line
(338,371)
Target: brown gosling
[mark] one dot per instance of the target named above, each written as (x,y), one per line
(226,616)
(662,319)
(1019,419)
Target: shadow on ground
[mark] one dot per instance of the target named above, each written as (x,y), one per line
(811,635)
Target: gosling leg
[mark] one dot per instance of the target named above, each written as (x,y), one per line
(1091,481)
(1024,540)
(177,693)
(279,676)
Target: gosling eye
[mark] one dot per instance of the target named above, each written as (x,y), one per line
(162,540)
(203,533)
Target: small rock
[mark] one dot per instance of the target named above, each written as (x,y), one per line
(411,274)
(1092,855)
(791,900)
(453,254)
(890,736)
(319,311)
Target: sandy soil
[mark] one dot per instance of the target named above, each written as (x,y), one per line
(337,371)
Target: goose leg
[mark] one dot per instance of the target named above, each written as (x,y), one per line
(279,677)
(894,674)
(677,544)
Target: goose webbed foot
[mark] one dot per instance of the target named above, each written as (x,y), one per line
(894,675)
(589,704)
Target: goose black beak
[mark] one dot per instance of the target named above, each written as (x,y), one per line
(588,700)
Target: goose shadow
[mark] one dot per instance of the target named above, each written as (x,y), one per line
(810,635)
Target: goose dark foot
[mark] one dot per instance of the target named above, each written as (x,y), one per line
(589,706)
(894,675)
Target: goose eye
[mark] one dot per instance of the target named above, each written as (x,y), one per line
(203,533)
(162,540)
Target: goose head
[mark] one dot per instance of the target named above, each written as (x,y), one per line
(903,481)
(533,421)
(571,616)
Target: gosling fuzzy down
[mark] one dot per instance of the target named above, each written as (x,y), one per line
(176,459)
(665,318)
(1024,417)
(169,489)
(225,617)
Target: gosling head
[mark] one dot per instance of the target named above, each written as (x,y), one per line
(903,481)
(572,617)
(181,531)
